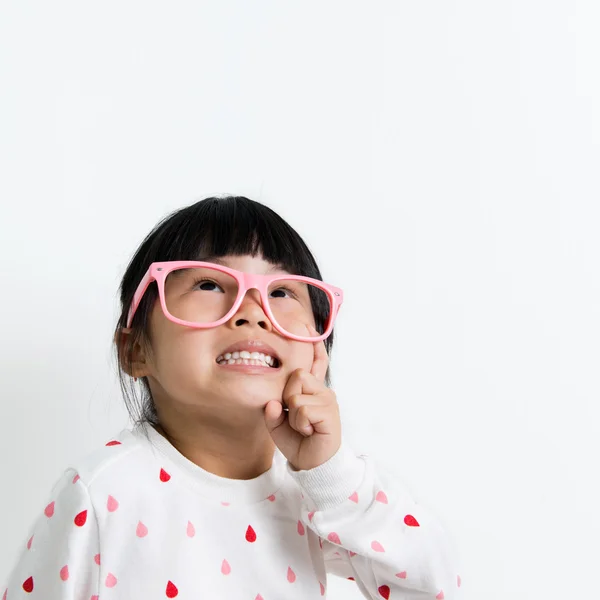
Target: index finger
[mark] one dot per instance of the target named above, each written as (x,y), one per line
(321,360)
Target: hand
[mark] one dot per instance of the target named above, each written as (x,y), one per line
(310,433)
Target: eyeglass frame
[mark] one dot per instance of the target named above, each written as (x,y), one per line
(158,271)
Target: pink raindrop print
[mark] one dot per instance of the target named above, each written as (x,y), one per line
(110,580)
(377,546)
(440,596)
(458,580)
(335,538)
(164,476)
(191,530)
(142,530)
(97,559)
(311,515)
(49,510)
(271,497)
(291,576)
(112,504)
(300,528)
(402,575)
(76,478)
(64,573)
(225,568)
(29,543)
(353,497)
(322,589)
(381,497)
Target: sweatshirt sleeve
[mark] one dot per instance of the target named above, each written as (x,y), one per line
(372,530)
(60,560)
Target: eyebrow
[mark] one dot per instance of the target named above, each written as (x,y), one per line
(219,261)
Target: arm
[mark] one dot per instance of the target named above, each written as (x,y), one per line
(60,561)
(373,531)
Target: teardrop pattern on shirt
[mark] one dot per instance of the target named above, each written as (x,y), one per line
(110,580)
(411,521)
(112,504)
(49,510)
(80,518)
(171,590)
(164,476)
(4,595)
(335,538)
(29,543)
(225,567)
(250,534)
(310,515)
(381,497)
(353,497)
(190,529)
(458,580)
(300,528)
(97,559)
(271,497)
(141,530)
(64,573)
(377,546)
(440,596)
(384,591)
(113,443)
(322,589)
(291,576)
(258,597)
(402,575)
(28,585)
(76,478)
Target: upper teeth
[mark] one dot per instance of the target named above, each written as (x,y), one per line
(244,355)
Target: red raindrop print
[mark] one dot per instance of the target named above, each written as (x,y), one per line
(351,578)
(112,504)
(225,568)
(250,534)
(291,576)
(300,528)
(381,497)
(142,530)
(64,573)
(97,559)
(81,518)
(49,510)
(164,476)
(28,585)
(410,520)
(384,591)
(172,590)
(353,497)
(113,443)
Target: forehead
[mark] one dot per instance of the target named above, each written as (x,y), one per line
(246,262)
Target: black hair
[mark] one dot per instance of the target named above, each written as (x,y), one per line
(212,227)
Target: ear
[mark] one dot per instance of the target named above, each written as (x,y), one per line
(139,366)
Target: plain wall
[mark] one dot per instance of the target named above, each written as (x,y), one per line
(440,159)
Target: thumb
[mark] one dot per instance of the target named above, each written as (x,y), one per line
(274,415)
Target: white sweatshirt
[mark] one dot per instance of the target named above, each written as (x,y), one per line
(137,520)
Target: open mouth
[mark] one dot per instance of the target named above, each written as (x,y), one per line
(258,359)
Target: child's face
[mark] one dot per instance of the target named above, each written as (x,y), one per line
(183,370)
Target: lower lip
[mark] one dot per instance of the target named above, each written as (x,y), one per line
(252,369)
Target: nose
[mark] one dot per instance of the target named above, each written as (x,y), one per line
(251,312)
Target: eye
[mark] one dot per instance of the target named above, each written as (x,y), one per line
(208,285)
(284,290)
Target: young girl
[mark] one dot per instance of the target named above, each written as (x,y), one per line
(234,481)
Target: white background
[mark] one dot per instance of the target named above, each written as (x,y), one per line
(441,160)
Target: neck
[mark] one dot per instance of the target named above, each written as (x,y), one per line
(235,450)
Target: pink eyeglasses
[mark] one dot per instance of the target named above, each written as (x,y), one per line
(185,299)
